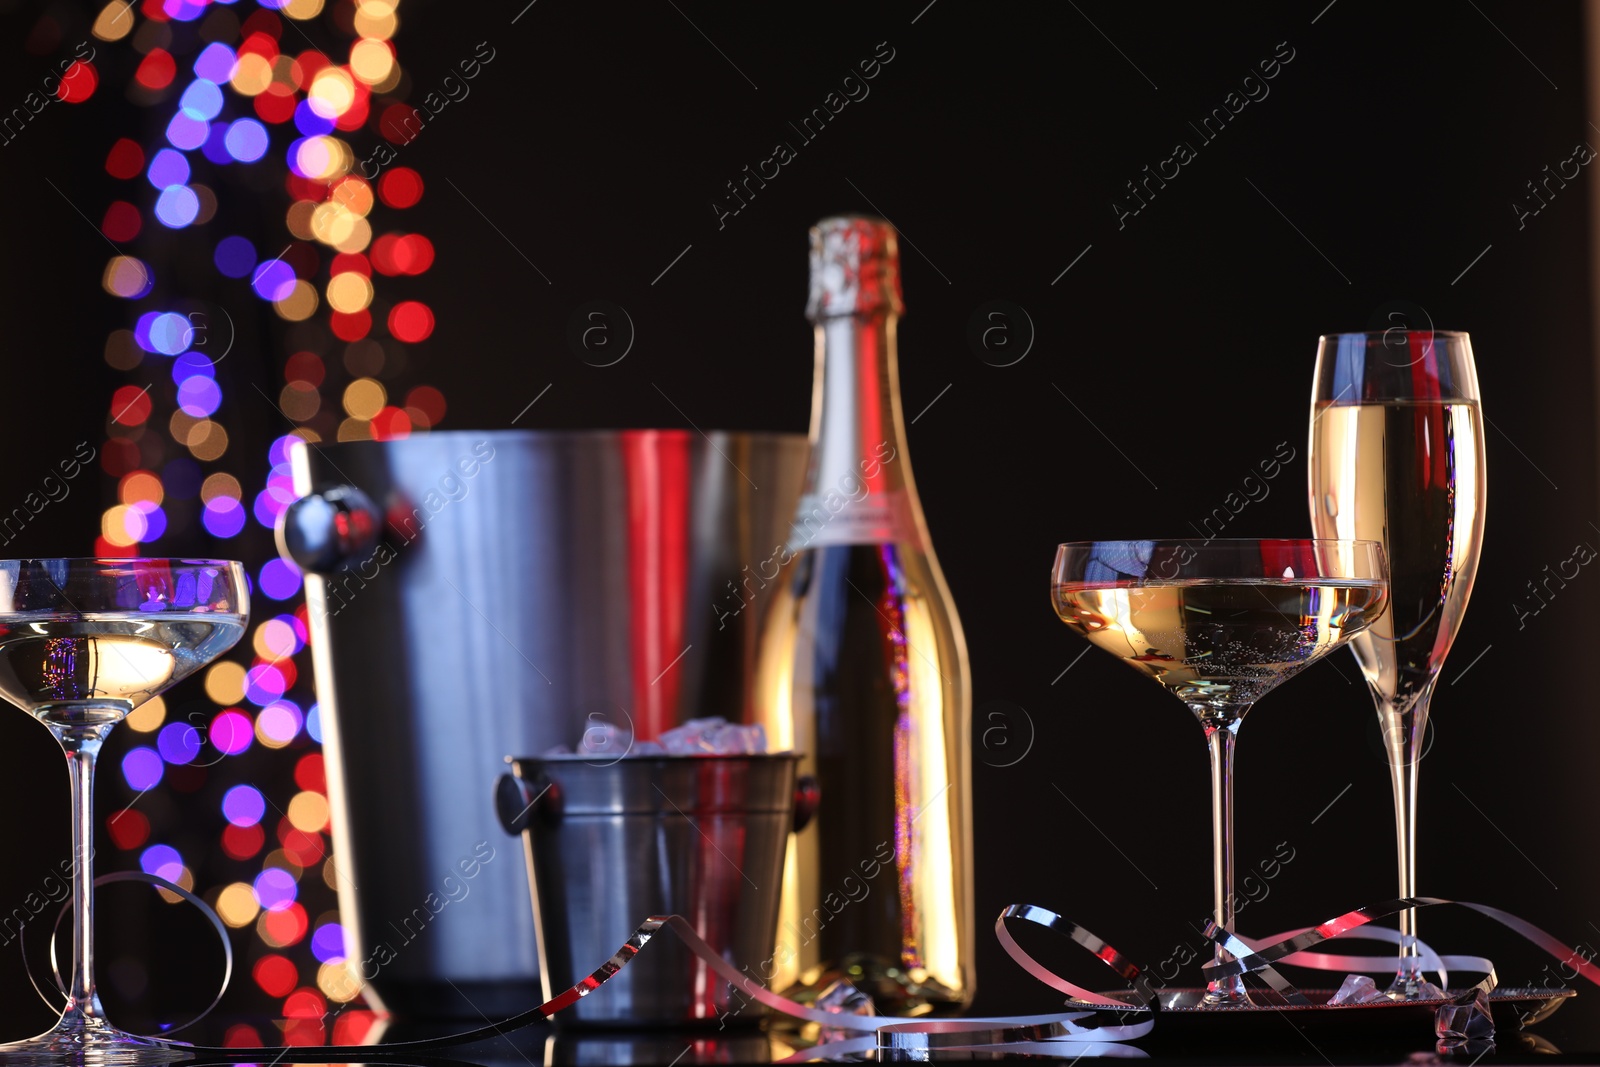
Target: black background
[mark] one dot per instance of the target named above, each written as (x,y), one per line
(1385,159)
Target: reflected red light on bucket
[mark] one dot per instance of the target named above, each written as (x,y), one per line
(657,470)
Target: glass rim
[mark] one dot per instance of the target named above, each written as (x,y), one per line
(1203,542)
(125,560)
(1391,330)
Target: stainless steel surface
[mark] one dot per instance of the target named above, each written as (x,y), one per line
(525,586)
(611,843)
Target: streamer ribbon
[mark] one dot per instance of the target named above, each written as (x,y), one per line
(1097,1025)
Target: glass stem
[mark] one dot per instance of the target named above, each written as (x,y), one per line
(82,746)
(1404,732)
(1221,735)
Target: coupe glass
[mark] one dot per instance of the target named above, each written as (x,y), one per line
(1397,456)
(1220,623)
(82,643)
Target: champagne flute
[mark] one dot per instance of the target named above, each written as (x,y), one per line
(82,643)
(1397,456)
(1220,623)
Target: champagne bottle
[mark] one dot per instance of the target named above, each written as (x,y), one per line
(863,669)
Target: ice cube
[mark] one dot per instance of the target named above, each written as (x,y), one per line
(605,739)
(731,738)
(1357,989)
(842,998)
(1467,1018)
(693,738)
(647,748)
(559,750)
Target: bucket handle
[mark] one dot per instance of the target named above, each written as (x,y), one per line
(327,530)
(807,794)
(515,800)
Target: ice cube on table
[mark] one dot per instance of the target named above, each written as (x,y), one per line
(1467,1018)
(1357,989)
(841,997)
(648,748)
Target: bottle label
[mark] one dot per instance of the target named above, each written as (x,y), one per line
(834,518)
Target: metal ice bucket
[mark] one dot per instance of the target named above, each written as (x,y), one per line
(611,842)
(524,587)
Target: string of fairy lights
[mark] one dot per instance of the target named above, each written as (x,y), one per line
(231,85)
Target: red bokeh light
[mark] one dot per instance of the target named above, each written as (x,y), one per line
(348,262)
(411,321)
(274,108)
(258,43)
(241,1035)
(78,82)
(311,773)
(288,926)
(350,327)
(390,424)
(402,253)
(102,547)
(267,23)
(304,1032)
(309,63)
(355,116)
(429,401)
(275,974)
(400,187)
(400,123)
(383,254)
(130,405)
(304,367)
(305,188)
(156,70)
(125,160)
(352,1026)
(122,221)
(243,842)
(303,848)
(128,828)
(305,1004)
(413,254)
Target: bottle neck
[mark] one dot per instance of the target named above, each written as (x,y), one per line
(857,433)
(858,484)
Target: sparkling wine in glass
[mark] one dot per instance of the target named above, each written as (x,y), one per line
(1397,456)
(82,643)
(1219,624)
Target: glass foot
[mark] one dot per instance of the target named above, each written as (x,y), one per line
(1224,995)
(1411,986)
(79,1039)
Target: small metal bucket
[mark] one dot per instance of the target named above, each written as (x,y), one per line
(611,842)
